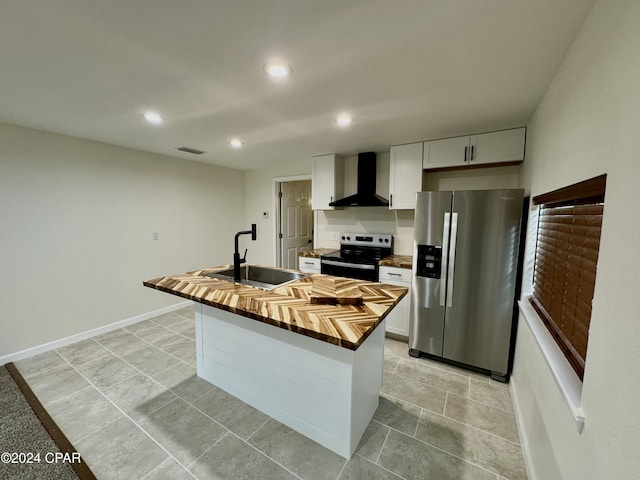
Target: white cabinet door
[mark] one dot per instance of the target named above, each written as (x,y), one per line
(448,152)
(398,319)
(405,176)
(309,265)
(497,147)
(327,176)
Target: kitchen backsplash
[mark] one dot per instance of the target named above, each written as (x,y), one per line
(399,223)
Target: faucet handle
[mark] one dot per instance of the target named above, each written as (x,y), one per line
(244,257)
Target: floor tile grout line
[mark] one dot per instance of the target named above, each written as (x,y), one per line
(123,380)
(393,397)
(258,429)
(433,364)
(248,438)
(206,451)
(153,344)
(45,370)
(404,377)
(243,440)
(427,383)
(383,444)
(344,465)
(162,463)
(228,431)
(159,347)
(65,396)
(415,431)
(121,357)
(481,430)
(437,448)
(264,454)
(158,383)
(379,465)
(138,426)
(483,403)
(446,400)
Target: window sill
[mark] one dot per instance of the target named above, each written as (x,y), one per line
(568,382)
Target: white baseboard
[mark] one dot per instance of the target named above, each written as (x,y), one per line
(524,439)
(29,352)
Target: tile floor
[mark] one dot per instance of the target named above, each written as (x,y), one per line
(130,402)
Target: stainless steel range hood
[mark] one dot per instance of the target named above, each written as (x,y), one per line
(366,193)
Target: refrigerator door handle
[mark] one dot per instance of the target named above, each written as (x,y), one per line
(452,258)
(443,263)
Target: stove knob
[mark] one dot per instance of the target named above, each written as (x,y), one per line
(349,238)
(386,240)
(342,237)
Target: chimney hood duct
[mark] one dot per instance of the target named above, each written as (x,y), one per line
(366,193)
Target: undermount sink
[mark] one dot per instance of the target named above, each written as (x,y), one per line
(261,277)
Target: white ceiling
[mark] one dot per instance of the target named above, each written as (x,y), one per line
(408,70)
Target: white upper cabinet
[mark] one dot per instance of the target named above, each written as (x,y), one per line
(405,175)
(497,147)
(449,152)
(484,148)
(327,179)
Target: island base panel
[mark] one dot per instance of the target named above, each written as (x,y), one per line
(323,391)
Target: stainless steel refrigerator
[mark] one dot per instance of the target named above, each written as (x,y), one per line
(465,274)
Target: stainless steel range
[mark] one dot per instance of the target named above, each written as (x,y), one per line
(358,256)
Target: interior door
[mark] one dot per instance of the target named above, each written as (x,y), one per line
(296,221)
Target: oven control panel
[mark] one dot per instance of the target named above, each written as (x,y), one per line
(366,239)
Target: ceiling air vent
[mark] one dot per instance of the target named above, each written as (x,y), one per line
(191,150)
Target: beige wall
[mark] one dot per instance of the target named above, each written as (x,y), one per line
(587,124)
(77,221)
(260,197)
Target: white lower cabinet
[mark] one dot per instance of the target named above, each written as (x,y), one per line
(309,264)
(398,319)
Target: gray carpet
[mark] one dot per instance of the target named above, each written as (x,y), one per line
(21,431)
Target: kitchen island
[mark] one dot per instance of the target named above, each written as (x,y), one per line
(315,367)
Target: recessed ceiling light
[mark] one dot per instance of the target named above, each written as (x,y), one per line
(153,117)
(344,119)
(278,70)
(236,143)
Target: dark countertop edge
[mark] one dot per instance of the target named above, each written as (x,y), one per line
(270,321)
(385,262)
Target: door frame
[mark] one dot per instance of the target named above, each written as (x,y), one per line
(277,247)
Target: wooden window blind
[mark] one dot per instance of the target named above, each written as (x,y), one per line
(568,241)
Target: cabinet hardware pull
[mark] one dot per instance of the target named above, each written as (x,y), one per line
(395,274)
(471,157)
(465,154)
(391,199)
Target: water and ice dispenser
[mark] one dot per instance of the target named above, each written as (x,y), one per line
(429,261)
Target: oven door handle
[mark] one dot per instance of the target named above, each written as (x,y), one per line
(359,266)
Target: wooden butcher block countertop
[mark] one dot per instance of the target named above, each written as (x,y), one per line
(398,261)
(290,306)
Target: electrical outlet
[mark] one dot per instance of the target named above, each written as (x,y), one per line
(156,236)
(333,236)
